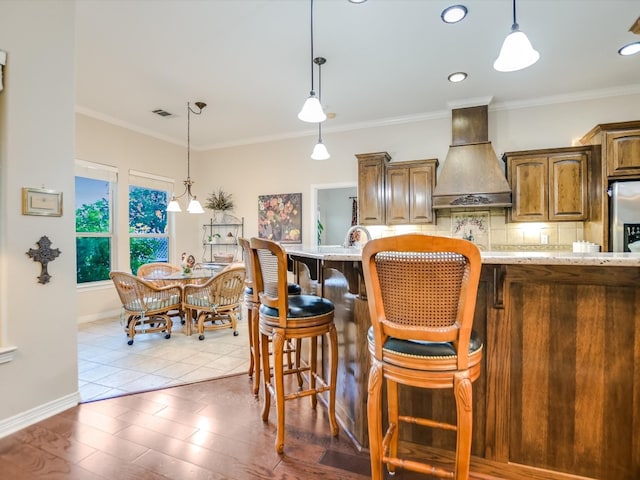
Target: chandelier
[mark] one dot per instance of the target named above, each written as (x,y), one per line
(194,205)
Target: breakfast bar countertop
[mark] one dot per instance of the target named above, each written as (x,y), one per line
(339,253)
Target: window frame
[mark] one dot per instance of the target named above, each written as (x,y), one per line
(108,173)
(150,181)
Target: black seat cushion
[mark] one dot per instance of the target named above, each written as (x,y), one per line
(425,349)
(292,289)
(302,306)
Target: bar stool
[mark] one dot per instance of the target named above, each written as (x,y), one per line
(284,318)
(421,292)
(252,303)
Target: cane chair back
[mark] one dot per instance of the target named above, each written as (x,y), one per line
(156,270)
(424,288)
(217,301)
(145,305)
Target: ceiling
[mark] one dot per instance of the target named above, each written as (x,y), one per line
(387,61)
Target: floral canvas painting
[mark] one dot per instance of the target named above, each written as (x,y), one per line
(473,226)
(280,217)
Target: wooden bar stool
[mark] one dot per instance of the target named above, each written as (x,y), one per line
(252,303)
(421,292)
(284,318)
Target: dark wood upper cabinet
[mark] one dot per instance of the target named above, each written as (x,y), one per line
(408,192)
(549,185)
(371,184)
(620,147)
(395,193)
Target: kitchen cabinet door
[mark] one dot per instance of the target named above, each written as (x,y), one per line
(529,182)
(623,152)
(549,185)
(422,182)
(371,188)
(398,188)
(568,186)
(409,189)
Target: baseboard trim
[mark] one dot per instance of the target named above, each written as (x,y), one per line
(41,412)
(7,354)
(99,316)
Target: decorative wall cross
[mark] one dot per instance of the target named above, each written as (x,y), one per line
(44,254)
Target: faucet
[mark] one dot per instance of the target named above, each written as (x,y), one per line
(347,239)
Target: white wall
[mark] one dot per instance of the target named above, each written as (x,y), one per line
(284,166)
(36,150)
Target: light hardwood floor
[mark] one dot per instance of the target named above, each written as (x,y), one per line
(209,429)
(206,430)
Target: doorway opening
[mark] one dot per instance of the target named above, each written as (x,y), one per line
(332,207)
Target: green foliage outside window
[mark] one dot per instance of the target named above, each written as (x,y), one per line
(147,226)
(93,253)
(93,259)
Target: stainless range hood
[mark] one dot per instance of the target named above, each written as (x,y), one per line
(472,175)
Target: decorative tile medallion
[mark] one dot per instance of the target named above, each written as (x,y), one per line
(473,226)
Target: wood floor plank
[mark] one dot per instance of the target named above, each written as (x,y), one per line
(25,462)
(177,468)
(158,424)
(111,467)
(59,445)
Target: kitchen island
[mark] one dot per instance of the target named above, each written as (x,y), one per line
(559,394)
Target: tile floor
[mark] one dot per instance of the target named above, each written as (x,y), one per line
(108,367)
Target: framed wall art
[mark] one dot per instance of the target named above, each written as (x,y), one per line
(280,217)
(40,201)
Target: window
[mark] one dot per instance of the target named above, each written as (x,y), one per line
(148,227)
(94,188)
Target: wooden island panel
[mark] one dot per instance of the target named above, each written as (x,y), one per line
(574,370)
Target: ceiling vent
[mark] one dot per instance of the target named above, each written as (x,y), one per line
(162,113)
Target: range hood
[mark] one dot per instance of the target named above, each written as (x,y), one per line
(472,175)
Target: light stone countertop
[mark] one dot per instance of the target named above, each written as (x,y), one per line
(338,253)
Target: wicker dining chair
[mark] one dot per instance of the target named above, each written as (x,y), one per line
(217,302)
(156,270)
(421,292)
(146,306)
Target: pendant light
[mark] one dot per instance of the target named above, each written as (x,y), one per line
(516,52)
(312,110)
(320,152)
(194,205)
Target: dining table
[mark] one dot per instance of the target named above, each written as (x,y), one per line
(199,275)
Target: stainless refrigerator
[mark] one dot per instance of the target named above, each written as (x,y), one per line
(624,215)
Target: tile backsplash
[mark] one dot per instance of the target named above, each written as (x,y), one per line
(502,235)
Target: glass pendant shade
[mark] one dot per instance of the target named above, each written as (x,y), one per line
(173,206)
(194,206)
(516,52)
(320,152)
(312,110)
(630,49)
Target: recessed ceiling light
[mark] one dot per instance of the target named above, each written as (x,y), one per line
(630,49)
(453,14)
(357,1)
(457,77)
